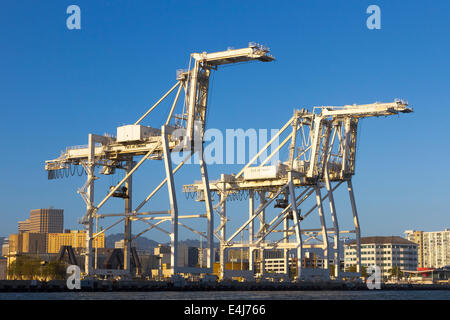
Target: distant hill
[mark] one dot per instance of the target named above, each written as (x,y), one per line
(1,240)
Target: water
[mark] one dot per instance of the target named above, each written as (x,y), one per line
(235,295)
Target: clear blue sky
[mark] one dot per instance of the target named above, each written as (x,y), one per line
(58,85)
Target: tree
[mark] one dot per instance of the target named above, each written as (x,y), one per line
(54,270)
(29,268)
(364,272)
(331,269)
(352,268)
(396,273)
(25,268)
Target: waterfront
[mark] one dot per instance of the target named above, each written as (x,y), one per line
(236,295)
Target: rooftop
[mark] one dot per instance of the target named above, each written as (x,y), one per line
(382,240)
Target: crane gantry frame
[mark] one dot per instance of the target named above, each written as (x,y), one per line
(322,151)
(135,140)
(316,160)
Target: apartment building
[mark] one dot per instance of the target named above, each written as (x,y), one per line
(433,247)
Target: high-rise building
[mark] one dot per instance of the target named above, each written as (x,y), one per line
(433,247)
(24,226)
(384,252)
(46,221)
(40,223)
(417,237)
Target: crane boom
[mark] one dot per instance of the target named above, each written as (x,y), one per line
(367,110)
(198,81)
(136,139)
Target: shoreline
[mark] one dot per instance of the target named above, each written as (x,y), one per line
(149,285)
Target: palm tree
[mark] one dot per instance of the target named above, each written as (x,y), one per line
(396,273)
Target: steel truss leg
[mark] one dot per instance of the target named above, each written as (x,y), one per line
(298,232)
(128,230)
(357,227)
(251,234)
(324,227)
(89,205)
(173,202)
(223,220)
(262,229)
(337,260)
(286,240)
(209,211)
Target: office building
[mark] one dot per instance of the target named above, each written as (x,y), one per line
(47,221)
(277,265)
(27,242)
(311,260)
(75,238)
(43,221)
(120,244)
(163,252)
(187,256)
(33,242)
(384,252)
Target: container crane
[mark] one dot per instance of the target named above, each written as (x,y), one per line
(322,151)
(111,153)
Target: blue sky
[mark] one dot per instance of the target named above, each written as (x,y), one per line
(58,85)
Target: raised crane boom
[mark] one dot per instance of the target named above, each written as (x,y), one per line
(330,136)
(366,110)
(345,120)
(198,80)
(135,140)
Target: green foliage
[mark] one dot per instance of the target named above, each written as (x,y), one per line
(55,270)
(29,268)
(364,272)
(25,268)
(353,269)
(331,269)
(395,272)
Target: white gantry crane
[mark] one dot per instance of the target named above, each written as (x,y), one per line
(136,143)
(322,150)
